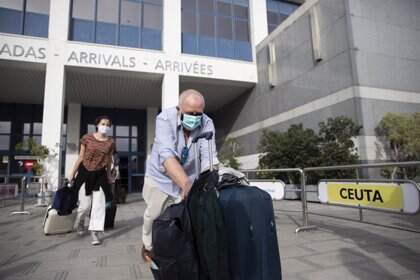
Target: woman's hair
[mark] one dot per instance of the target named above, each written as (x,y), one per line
(100,118)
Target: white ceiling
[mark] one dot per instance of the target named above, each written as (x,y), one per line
(113,89)
(216,92)
(21,82)
(24,83)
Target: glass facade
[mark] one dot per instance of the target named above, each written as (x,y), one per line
(25,17)
(278,11)
(218,28)
(130,23)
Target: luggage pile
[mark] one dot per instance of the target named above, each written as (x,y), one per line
(227,227)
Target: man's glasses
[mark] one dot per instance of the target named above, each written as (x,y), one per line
(194,113)
(184,155)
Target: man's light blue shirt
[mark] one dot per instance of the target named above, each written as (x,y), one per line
(169,142)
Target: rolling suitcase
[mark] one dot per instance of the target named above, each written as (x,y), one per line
(110,213)
(251,230)
(56,224)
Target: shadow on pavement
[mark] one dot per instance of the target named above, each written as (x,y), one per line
(399,255)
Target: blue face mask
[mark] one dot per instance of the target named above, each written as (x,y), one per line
(191,122)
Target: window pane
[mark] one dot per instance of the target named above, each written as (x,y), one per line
(130,24)
(224,8)
(134,144)
(224,28)
(26,128)
(151,39)
(122,144)
(243,50)
(36,18)
(188,5)
(286,8)
(242,2)
(189,43)
(37,139)
(83,16)
(130,13)
(241,12)
(152,17)
(37,128)
(12,4)
(4,142)
(64,129)
(207,25)
(38,6)
(134,131)
(122,130)
(5,127)
(272,18)
(84,9)
(207,46)
(241,30)
(225,48)
(108,11)
(11,16)
(205,6)
(91,128)
(189,23)
(107,19)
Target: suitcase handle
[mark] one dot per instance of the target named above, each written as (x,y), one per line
(208,135)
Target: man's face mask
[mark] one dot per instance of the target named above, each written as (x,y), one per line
(103,129)
(191,122)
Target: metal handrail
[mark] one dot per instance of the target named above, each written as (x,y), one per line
(357,167)
(305,224)
(24,180)
(363,166)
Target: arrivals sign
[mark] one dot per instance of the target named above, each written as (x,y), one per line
(391,196)
(158,64)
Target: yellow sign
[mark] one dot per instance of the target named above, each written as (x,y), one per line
(374,195)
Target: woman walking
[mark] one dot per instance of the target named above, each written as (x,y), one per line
(93,168)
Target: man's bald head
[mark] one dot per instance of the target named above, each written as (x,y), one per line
(191,100)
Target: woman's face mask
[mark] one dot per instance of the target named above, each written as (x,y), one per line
(191,122)
(103,129)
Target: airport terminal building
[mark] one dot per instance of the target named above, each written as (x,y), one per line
(259,63)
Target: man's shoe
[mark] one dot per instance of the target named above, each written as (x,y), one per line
(146,254)
(95,238)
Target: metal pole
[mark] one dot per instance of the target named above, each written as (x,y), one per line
(197,168)
(22,211)
(360,208)
(210,155)
(305,226)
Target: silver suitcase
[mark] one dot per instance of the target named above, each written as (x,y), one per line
(55,224)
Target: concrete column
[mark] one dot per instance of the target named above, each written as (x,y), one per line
(170,90)
(172,27)
(258,21)
(54,89)
(151,126)
(74,112)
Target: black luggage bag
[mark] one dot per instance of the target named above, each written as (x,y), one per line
(174,253)
(251,230)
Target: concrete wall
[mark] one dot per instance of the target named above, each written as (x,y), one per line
(370,66)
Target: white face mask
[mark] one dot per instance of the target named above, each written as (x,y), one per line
(103,129)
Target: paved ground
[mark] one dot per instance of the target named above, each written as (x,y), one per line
(339,249)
